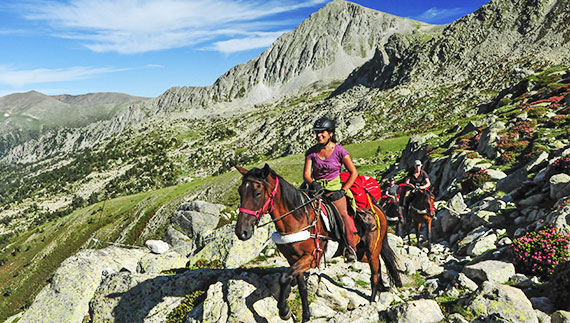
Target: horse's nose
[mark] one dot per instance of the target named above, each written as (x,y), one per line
(243,235)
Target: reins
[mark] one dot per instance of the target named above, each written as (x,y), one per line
(259,213)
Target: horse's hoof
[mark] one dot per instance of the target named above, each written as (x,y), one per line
(285,316)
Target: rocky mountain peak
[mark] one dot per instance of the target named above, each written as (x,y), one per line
(499,37)
(325,47)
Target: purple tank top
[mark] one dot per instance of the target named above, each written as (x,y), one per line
(330,167)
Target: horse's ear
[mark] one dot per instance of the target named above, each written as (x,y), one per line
(242,170)
(265,171)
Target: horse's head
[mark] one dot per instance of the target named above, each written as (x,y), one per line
(425,200)
(256,194)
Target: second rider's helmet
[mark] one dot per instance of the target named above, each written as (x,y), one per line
(324,123)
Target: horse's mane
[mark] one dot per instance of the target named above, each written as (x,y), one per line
(292,196)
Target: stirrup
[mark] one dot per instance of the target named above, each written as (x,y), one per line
(350,254)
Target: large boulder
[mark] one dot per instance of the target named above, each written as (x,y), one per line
(488,142)
(490,270)
(152,263)
(197,219)
(223,245)
(424,310)
(560,317)
(66,297)
(179,241)
(512,181)
(500,303)
(243,299)
(559,186)
(482,245)
(457,204)
(126,297)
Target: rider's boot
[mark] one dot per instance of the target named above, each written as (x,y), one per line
(351,239)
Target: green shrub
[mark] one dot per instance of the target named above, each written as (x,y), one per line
(178,315)
(474,179)
(538,253)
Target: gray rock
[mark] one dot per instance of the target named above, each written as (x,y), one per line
(543,304)
(66,298)
(560,317)
(496,174)
(520,280)
(355,125)
(493,270)
(472,236)
(319,308)
(559,186)
(202,207)
(245,299)
(456,203)
(532,200)
(512,181)
(157,246)
(456,318)
(542,317)
(223,245)
(152,263)
(194,224)
(465,282)
(179,241)
(424,311)
(533,164)
(489,137)
(448,220)
(482,245)
(431,285)
(501,302)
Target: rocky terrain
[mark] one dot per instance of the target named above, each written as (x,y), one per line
(484,102)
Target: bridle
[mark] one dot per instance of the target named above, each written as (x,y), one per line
(259,213)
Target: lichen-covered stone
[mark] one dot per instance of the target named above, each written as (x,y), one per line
(501,302)
(66,298)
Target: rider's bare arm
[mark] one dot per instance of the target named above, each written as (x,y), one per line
(347,161)
(308,170)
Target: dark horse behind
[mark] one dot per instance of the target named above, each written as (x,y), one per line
(421,210)
(293,213)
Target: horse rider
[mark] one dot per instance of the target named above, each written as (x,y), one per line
(392,194)
(323,163)
(417,179)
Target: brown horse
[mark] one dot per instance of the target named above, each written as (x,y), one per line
(421,210)
(292,212)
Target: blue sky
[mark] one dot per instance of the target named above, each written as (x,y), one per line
(144,47)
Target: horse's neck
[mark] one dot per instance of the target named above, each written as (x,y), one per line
(289,223)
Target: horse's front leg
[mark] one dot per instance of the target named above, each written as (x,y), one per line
(299,269)
(284,291)
(429,235)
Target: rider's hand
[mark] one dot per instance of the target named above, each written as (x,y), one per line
(336,195)
(317,187)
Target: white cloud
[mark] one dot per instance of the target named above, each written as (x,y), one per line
(435,15)
(19,78)
(135,26)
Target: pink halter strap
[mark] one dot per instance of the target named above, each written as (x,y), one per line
(259,213)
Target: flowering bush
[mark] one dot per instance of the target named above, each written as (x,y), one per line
(562,164)
(515,140)
(474,179)
(538,253)
(563,204)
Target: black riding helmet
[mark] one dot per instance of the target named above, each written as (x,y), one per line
(324,123)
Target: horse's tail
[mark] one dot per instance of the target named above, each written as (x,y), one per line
(389,258)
